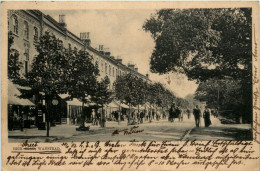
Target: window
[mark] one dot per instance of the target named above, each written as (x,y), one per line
(69,46)
(106,68)
(120,73)
(102,67)
(26,30)
(109,70)
(36,34)
(116,73)
(113,71)
(15,24)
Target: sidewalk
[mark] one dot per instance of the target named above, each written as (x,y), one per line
(218,131)
(56,133)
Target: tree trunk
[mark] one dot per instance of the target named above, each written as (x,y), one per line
(83,116)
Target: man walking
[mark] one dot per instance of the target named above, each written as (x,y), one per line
(197,114)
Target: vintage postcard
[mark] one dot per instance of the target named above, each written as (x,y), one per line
(130,85)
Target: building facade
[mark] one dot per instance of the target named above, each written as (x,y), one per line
(28,25)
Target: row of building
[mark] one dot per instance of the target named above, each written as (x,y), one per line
(28,25)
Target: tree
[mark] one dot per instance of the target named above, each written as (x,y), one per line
(215,42)
(102,94)
(47,72)
(128,89)
(204,44)
(14,65)
(223,95)
(82,77)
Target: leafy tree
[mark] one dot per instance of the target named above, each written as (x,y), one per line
(47,73)
(14,65)
(82,77)
(223,95)
(204,44)
(102,94)
(129,89)
(140,92)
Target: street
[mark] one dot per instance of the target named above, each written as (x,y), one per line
(162,130)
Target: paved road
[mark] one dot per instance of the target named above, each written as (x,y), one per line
(156,131)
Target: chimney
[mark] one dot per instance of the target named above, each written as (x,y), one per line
(147,75)
(62,21)
(85,38)
(136,69)
(107,53)
(119,60)
(112,57)
(101,49)
(132,66)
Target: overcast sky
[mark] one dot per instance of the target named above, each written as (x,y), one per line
(121,31)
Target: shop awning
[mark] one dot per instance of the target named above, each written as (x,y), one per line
(124,106)
(13,98)
(74,102)
(113,104)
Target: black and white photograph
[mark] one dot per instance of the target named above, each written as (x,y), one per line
(130,75)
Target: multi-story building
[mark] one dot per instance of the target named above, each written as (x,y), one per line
(28,25)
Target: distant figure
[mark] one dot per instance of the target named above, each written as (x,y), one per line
(141,117)
(180,114)
(173,113)
(206,116)
(93,115)
(153,113)
(197,114)
(150,116)
(164,115)
(21,123)
(138,117)
(188,113)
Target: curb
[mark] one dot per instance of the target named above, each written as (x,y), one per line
(186,134)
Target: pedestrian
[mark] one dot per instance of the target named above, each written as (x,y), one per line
(188,113)
(138,117)
(21,123)
(164,114)
(173,112)
(206,116)
(197,115)
(141,117)
(180,114)
(150,116)
(93,116)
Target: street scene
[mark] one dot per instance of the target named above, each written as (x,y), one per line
(129,75)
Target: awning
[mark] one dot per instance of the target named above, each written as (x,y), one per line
(124,106)
(74,102)
(113,104)
(13,98)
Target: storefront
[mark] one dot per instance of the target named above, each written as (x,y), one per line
(21,112)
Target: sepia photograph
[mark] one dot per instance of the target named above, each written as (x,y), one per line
(129,75)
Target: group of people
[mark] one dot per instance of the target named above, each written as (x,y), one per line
(176,112)
(197,116)
(98,118)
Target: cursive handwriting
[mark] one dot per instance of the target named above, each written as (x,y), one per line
(130,131)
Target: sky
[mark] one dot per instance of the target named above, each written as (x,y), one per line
(121,31)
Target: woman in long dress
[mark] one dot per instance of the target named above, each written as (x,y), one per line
(206,116)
